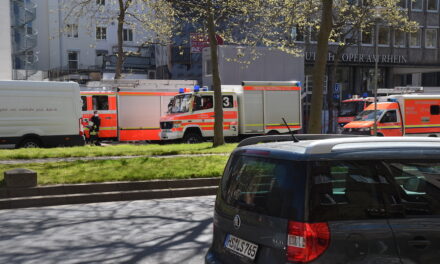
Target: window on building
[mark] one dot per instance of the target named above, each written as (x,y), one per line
(399,39)
(208,68)
(128,34)
(401,3)
(72,30)
(431,79)
(151,75)
(72,57)
(30,58)
(29,29)
(417,4)
(100,102)
(367,37)
(313,34)
(100,2)
(297,34)
(432,5)
(384,36)
(414,39)
(101,33)
(431,38)
(101,52)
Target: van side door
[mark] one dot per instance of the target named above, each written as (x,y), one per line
(414,205)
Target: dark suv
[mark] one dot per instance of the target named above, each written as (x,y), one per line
(338,200)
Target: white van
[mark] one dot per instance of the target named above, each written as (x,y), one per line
(40,114)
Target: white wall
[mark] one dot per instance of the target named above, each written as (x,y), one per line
(266,65)
(5,43)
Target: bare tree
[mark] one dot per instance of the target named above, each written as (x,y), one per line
(152,17)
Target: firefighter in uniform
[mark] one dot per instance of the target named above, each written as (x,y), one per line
(94,129)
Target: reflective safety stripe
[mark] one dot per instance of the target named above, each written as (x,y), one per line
(290,124)
(99,111)
(388,127)
(147,93)
(422,126)
(103,128)
(102,94)
(139,128)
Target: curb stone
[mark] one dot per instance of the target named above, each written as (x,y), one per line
(11,198)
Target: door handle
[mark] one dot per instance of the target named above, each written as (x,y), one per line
(419,243)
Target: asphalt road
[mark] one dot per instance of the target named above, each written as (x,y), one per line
(153,231)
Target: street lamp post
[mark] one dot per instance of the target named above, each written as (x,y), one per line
(376,53)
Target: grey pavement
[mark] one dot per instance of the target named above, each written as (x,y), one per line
(70,159)
(153,231)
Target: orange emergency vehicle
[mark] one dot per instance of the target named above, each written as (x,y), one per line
(350,108)
(253,108)
(127,114)
(400,115)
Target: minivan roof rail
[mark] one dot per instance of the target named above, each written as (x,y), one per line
(288,137)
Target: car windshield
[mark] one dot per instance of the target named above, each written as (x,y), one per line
(180,103)
(351,108)
(368,115)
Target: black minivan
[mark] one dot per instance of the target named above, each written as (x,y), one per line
(336,200)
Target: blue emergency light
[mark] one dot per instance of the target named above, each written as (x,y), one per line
(181,90)
(365,95)
(196,88)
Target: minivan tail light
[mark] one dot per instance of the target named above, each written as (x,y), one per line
(306,241)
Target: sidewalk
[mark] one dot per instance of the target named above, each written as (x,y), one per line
(105,192)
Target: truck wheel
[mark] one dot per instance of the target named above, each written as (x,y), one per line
(273,132)
(192,138)
(30,143)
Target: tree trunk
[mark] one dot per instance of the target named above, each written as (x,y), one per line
(218,102)
(315,123)
(120,52)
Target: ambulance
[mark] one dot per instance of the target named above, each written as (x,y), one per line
(129,111)
(350,108)
(253,108)
(400,115)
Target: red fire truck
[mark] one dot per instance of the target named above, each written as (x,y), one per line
(129,111)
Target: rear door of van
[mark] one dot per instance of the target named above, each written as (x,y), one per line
(257,197)
(347,195)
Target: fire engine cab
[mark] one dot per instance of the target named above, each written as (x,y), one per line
(253,108)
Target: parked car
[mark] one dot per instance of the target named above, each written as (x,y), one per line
(334,200)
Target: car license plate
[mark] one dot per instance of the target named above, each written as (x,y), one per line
(241,247)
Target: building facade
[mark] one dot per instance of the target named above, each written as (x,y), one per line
(404,59)
(5,45)
(81,46)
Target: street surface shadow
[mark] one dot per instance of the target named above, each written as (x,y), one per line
(152,231)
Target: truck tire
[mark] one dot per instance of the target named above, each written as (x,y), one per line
(192,138)
(30,143)
(273,132)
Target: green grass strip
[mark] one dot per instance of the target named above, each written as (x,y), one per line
(115,150)
(135,169)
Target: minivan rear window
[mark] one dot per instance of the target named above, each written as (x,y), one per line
(266,186)
(350,190)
